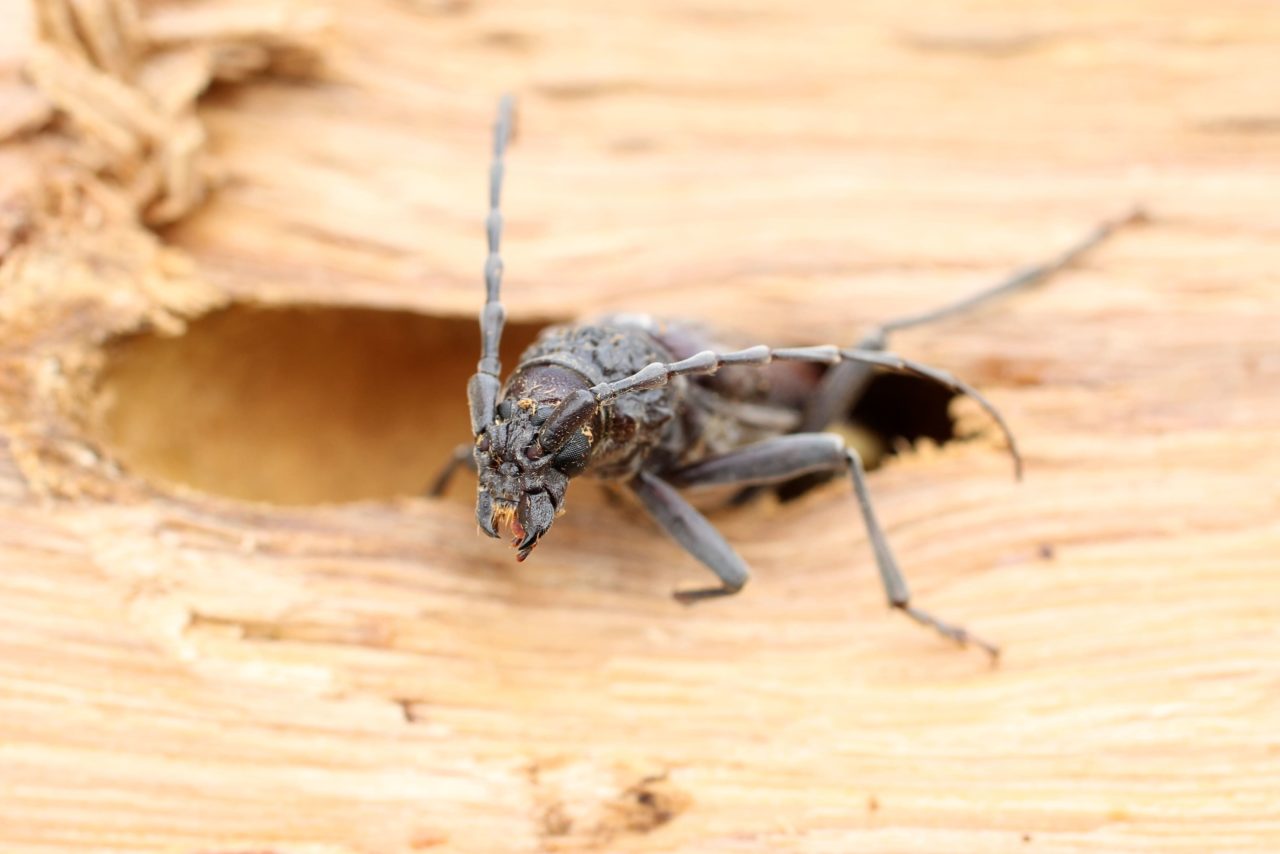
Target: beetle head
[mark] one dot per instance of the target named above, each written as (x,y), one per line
(521,483)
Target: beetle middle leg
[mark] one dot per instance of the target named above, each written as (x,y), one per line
(785,457)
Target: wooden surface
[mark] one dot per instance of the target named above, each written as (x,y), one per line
(227,624)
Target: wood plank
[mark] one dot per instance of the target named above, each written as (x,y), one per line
(341,666)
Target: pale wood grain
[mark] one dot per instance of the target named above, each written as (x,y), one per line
(181,671)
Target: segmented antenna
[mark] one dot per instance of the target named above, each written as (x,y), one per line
(482,391)
(1030,275)
(493,317)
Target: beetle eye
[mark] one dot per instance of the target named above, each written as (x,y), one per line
(483,444)
(572,458)
(506,408)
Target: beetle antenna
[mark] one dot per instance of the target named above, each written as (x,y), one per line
(482,391)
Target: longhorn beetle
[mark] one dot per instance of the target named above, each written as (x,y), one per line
(645,403)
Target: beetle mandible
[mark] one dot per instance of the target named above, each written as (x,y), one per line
(640,402)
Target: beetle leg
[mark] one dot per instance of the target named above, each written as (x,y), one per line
(785,457)
(691,530)
(463,455)
(842,386)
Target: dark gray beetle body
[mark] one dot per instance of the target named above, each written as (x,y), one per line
(658,428)
(662,407)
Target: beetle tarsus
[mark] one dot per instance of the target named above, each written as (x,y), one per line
(962,636)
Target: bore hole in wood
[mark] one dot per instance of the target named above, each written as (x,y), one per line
(295,405)
(894,412)
(900,410)
(321,404)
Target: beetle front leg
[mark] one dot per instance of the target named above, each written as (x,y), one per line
(786,457)
(463,455)
(691,529)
